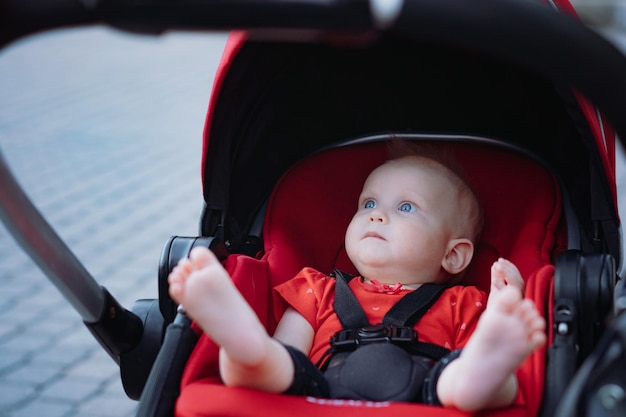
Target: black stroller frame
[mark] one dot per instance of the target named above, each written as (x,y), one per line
(530,35)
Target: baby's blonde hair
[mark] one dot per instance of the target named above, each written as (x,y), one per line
(471,221)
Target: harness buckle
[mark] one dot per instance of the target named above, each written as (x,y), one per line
(350,339)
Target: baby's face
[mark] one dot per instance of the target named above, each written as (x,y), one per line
(404,222)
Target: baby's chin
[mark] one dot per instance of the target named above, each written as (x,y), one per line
(380,271)
(364,269)
(388,273)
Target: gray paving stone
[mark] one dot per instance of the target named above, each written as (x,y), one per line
(107,405)
(51,328)
(29,343)
(7,330)
(33,376)
(92,123)
(14,394)
(98,366)
(59,356)
(43,408)
(11,357)
(74,389)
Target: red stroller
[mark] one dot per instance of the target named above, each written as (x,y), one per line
(291,121)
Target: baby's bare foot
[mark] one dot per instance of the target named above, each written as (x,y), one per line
(504,273)
(509,330)
(206,292)
(192,278)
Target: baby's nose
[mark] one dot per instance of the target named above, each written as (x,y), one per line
(377,217)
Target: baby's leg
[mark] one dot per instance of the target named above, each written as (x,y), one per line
(209,296)
(483,376)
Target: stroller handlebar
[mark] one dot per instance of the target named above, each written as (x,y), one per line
(21,18)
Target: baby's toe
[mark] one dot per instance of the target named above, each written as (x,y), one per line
(201,257)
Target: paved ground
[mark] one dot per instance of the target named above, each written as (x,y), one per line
(103,130)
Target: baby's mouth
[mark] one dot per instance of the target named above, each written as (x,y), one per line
(373,235)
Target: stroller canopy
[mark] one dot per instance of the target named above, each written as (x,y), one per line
(276,102)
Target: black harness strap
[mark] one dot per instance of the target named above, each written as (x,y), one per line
(347,307)
(405,313)
(412,307)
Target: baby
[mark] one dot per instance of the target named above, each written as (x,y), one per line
(416,223)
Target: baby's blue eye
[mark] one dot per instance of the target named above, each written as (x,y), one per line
(407,207)
(369,204)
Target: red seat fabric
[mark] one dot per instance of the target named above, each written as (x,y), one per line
(305,223)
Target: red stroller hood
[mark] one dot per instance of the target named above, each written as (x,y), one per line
(601,129)
(267,94)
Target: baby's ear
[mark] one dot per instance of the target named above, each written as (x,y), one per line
(458,256)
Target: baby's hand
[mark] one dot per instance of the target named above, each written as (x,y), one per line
(504,273)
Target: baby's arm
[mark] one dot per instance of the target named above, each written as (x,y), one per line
(248,356)
(294,330)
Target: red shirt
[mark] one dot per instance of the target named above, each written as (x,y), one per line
(448,323)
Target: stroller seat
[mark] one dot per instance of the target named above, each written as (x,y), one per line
(305,221)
